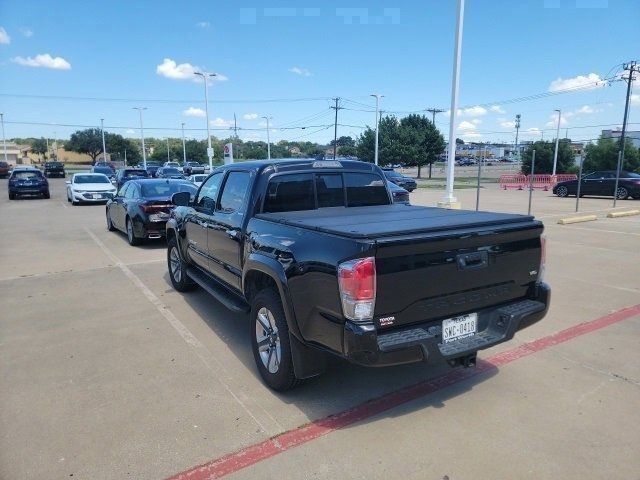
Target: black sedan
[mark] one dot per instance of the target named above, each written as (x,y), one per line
(54,169)
(602,183)
(125,174)
(141,207)
(28,182)
(407,183)
(169,172)
(399,194)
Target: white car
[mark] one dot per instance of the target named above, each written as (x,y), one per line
(197,179)
(89,187)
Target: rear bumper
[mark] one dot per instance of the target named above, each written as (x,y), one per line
(29,190)
(419,343)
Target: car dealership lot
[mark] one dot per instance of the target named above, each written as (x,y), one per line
(107,372)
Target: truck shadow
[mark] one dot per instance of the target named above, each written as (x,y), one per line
(343,385)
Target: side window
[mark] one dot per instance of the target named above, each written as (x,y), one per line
(208,193)
(330,191)
(123,190)
(289,193)
(234,192)
(131,191)
(364,189)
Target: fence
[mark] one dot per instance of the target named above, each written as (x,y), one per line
(538,181)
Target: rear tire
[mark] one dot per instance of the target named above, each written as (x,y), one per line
(622,193)
(562,191)
(270,341)
(178,268)
(131,234)
(12,196)
(46,194)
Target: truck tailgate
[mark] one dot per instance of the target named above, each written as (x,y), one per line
(446,273)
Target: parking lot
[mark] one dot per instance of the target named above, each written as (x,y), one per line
(108,373)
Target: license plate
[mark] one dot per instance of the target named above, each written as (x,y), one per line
(460,327)
(97,195)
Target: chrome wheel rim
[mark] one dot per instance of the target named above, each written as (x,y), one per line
(268,340)
(174,264)
(563,192)
(130,231)
(622,193)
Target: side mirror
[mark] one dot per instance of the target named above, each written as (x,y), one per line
(68,182)
(181,199)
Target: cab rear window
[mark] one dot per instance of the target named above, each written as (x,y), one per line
(309,191)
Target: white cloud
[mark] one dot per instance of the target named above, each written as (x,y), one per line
(5,39)
(585,109)
(497,109)
(26,32)
(194,112)
(475,111)
(203,24)
(220,122)
(471,136)
(43,61)
(476,121)
(250,116)
(583,82)
(508,124)
(564,119)
(182,71)
(130,131)
(464,125)
(300,71)
(532,132)
(635,100)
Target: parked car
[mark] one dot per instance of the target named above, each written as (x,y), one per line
(465,162)
(169,172)
(141,207)
(125,174)
(54,169)
(197,179)
(601,183)
(326,264)
(192,168)
(27,181)
(399,194)
(105,170)
(407,183)
(4,169)
(172,164)
(89,188)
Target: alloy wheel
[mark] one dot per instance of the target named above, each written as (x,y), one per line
(268,340)
(175,264)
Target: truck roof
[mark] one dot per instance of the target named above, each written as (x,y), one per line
(285,164)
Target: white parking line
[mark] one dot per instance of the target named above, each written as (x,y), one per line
(200,350)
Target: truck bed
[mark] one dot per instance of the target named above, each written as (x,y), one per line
(377,222)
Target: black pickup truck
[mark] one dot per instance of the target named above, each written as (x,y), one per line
(325,263)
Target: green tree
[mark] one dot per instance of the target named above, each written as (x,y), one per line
(117,145)
(459,141)
(544,157)
(603,155)
(39,146)
(87,141)
(420,142)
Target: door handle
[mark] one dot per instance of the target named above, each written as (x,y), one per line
(471,261)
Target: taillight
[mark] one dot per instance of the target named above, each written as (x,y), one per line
(156,208)
(357,282)
(543,258)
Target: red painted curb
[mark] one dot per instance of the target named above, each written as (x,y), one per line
(293,438)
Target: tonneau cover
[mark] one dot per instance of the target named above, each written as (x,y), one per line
(389,220)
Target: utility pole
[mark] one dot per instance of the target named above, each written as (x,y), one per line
(555,152)
(632,67)
(515,147)
(449,201)
(125,157)
(268,140)
(378,97)
(144,152)
(55,137)
(104,148)
(184,147)
(433,114)
(168,158)
(205,78)
(335,127)
(235,126)
(4,140)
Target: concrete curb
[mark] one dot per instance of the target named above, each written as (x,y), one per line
(626,213)
(584,218)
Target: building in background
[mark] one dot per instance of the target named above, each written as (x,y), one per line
(16,154)
(633,136)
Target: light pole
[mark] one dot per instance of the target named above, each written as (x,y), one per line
(4,140)
(168,158)
(205,77)
(378,97)
(144,153)
(449,201)
(184,147)
(268,140)
(515,147)
(555,152)
(55,137)
(104,147)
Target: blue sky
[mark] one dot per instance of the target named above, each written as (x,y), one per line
(144,53)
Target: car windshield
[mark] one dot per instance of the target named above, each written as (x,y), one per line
(392,173)
(166,189)
(199,178)
(90,179)
(135,173)
(54,164)
(27,175)
(171,171)
(103,170)
(630,175)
